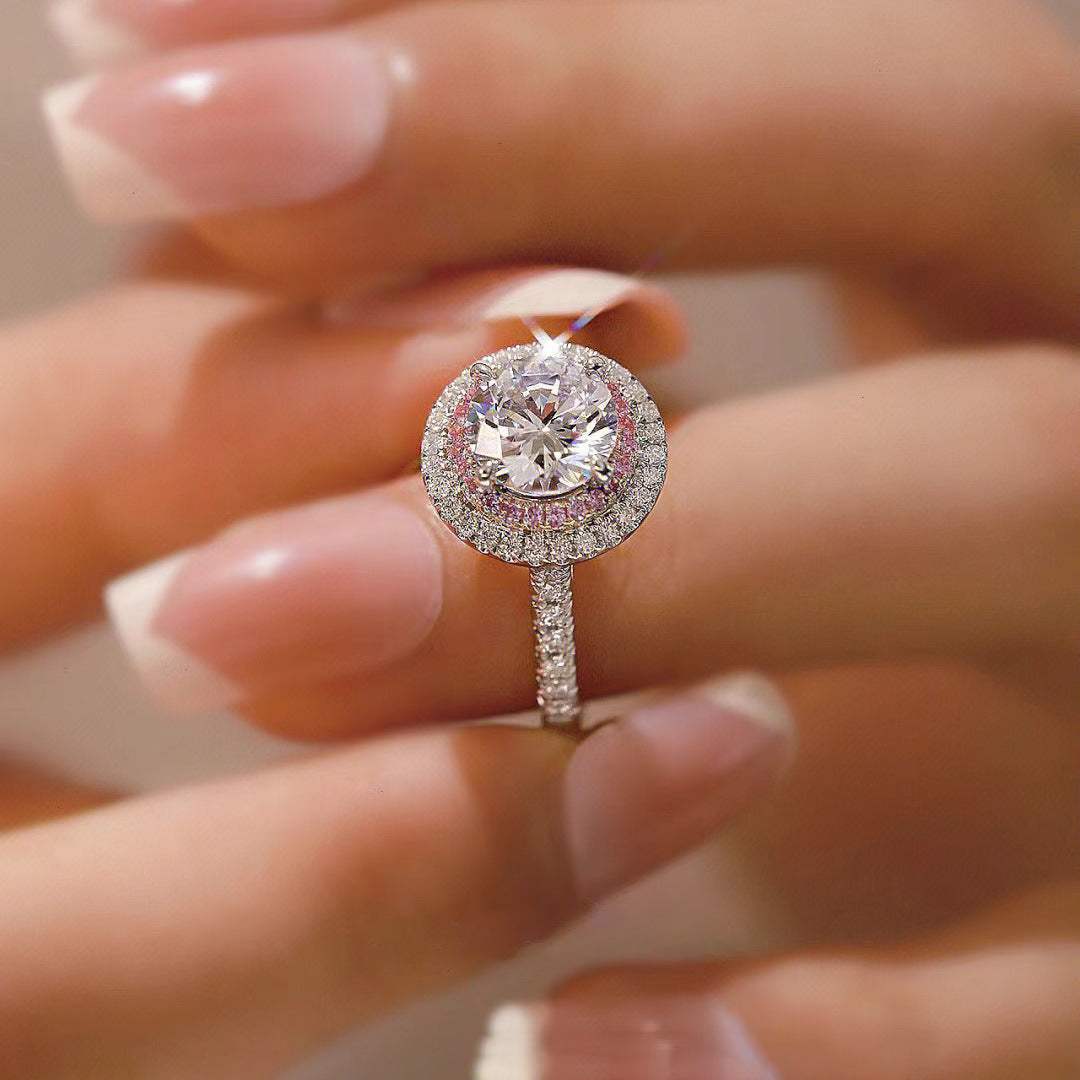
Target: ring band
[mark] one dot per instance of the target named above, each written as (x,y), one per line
(545,455)
(556,649)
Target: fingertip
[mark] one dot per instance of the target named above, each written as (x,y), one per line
(174,677)
(92,39)
(668,774)
(639,323)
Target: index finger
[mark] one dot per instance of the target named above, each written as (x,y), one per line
(829,132)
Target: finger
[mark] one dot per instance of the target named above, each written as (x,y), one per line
(889,314)
(226,930)
(917,509)
(144,419)
(923,791)
(993,999)
(106,31)
(911,133)
(29,796)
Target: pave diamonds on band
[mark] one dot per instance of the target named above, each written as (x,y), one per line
(556,660)
(545,455)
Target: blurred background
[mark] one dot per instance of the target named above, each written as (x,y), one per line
(75,706)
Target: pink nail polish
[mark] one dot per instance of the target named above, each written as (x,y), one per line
(675,1038)
(228,128)
(662,779)
(287,600)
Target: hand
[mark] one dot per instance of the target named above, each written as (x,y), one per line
(227,930)
(907,531)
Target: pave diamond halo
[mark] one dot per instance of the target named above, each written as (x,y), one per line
(545,455)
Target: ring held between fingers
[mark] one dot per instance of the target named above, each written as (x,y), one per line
(929,507)
(146,418)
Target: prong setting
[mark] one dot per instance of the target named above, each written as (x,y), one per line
(570,526)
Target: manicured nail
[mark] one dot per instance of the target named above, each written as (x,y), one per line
(662,779)
(287,600)
(629,1039)
(559,292)
(491,296)
(226,128)
(649,329)
(91,34)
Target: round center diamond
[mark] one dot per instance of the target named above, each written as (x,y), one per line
(544,426)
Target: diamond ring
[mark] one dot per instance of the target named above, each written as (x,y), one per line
(545,455)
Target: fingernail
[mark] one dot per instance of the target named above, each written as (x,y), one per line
(287,600)
(649,328)
(464,300)
(241,126)
(629,1039)
(90,34)
(662,779)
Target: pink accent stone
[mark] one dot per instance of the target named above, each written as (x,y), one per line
(510,512)
(622,406)
(556,516)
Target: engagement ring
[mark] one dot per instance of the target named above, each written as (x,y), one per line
(545,455)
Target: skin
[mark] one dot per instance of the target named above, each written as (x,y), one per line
(930,656)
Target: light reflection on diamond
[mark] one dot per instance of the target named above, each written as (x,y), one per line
(544,426)
(536,541)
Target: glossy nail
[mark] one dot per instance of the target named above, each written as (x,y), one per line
(629,1039)
(286,600)
(228,128)
(490,296)
(665,777)
(649,327)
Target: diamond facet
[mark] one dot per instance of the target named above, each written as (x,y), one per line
(600,467)
(546,425)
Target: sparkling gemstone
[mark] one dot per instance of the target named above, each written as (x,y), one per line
(544,426)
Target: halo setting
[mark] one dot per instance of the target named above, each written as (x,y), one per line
(543,456)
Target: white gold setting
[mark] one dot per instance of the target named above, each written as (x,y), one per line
(545,455)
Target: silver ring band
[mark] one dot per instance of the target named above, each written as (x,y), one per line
(545,455)
(556,656)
